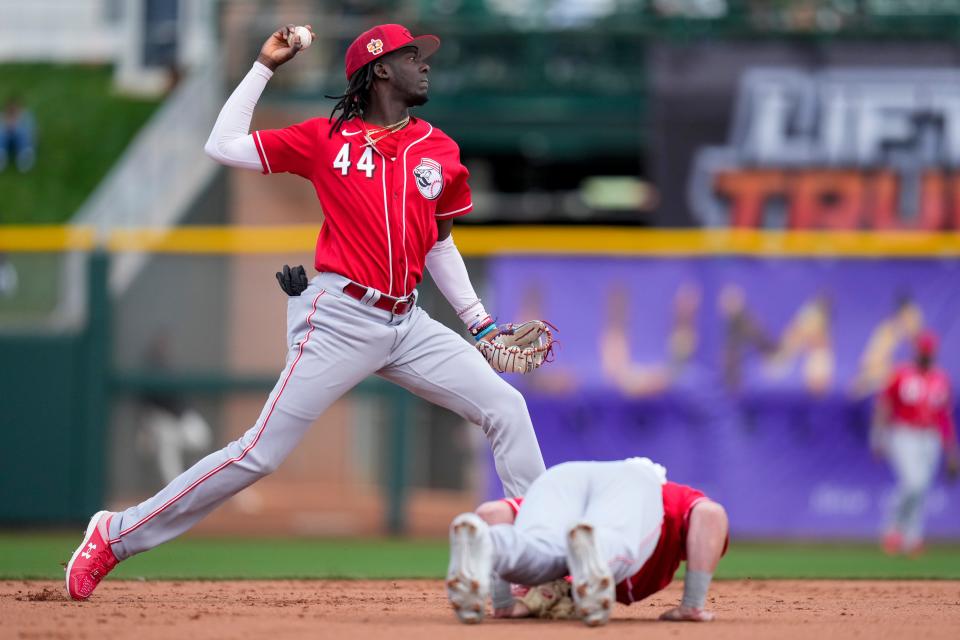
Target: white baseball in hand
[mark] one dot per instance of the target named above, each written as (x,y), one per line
(305,37)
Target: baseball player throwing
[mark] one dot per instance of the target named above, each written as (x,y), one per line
(390,186)
(912,426)
(618,529)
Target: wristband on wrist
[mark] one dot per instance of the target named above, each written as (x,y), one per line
(695,586)
(476,327)
(491,327)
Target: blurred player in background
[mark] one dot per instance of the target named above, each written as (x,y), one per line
(172,430)
(389,185)
(619,530)
(912,425)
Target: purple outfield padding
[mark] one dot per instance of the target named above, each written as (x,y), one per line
(752,379)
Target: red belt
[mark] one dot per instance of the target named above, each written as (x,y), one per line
(396,306)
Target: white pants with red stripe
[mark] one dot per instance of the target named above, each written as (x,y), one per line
(334,343)
(622,500)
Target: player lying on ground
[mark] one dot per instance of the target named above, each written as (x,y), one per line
(389,185)
(618,529)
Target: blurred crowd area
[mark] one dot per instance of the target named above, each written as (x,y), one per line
(598,112)
(601,111)
(799,15)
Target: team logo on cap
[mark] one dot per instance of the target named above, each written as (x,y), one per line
(375,47)
(429,177)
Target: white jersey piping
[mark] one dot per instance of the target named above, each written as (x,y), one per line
(266,160)
(450,213)
(406,262)
(386,220)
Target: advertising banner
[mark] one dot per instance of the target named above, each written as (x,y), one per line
(811,135)
(753,379)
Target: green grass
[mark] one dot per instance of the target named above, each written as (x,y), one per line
(841,561)
(82,127)
(39,556)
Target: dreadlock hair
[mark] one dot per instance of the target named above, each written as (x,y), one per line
(355,99)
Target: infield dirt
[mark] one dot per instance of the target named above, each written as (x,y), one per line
(407,609)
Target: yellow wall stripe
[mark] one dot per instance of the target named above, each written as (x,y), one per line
(487,241)
(228,240)
(46,238)
(481,241)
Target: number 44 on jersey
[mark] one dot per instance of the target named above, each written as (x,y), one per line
(365,164)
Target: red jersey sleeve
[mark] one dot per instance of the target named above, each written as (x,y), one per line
(289,150)
(890,391)
(456,199)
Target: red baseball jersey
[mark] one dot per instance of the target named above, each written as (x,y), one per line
(658,571)
(921,399)
(380,203)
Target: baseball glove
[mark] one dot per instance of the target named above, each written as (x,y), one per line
(519,348)
(549,600)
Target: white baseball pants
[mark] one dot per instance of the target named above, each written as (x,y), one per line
(622,500)
(914,455)
(334,343)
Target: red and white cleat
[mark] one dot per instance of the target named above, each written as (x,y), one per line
(92,560)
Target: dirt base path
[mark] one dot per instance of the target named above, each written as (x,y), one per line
(417,609)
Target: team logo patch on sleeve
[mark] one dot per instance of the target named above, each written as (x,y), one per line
(429,177)
(375,47)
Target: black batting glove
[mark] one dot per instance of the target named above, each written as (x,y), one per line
(292,281)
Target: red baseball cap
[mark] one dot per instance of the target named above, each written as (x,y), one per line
(927,343)
(383,39)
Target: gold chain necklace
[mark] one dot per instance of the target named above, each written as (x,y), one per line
(385,131)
